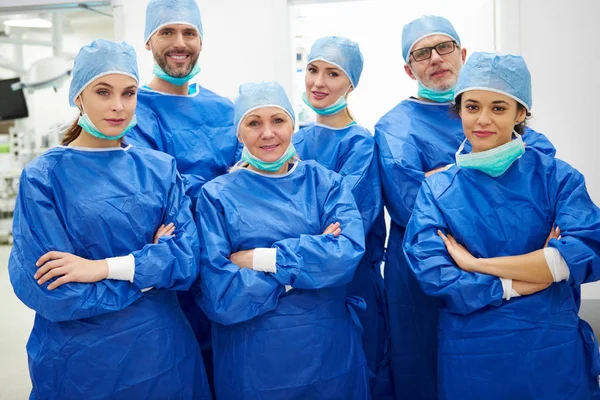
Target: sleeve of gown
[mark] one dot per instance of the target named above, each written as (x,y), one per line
(401,173)
(318,261)
(37,229)
(361,172)
(462,292)
(579,221)
(172,263)
(228,294)
(538,141)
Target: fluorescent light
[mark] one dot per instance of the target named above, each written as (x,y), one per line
(29,23)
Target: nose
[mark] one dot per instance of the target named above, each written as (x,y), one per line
(117,105)
(483,119)
(435,57)
(320,81)
(267,132)
(179,40)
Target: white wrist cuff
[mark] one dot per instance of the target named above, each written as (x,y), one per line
(509,292)
(265,260)
(121,268)
(556,264)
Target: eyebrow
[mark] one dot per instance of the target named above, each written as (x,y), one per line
(103,84)
(326,68)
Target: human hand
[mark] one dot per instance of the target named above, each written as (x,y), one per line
(70,268)
(333,229)
(243,259)
(554,234)
(164,230)
(459,253)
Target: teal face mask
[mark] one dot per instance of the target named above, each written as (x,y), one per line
(493,162)
(335,108)
(434,95)
(272,166)
(158,71)
(87,125)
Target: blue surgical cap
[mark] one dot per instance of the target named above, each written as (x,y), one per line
(341,52)
(505,74)
(166,12)
(99,58)
(260,95)
(427,25)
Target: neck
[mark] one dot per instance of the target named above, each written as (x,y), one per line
(338,120)
(165,87)
(89,141)
(285,168)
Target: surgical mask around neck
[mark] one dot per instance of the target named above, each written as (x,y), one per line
(493,162)
(87,125)
(269,166)
(161,74)
(434,95)
(444,96)
(335,108)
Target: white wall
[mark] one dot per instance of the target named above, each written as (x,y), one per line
(557,39)
(377,27)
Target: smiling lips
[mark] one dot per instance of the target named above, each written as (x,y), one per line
(319,95)
(483,134)
(269,147)
(178,57)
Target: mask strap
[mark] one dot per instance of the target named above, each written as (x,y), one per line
(461,148)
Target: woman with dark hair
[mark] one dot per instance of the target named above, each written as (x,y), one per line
(478,240)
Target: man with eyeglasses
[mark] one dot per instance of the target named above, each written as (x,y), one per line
(417,138)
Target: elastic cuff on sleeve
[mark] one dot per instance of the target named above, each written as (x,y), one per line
(121,268)
(265,259)
(507,288)
(556,264)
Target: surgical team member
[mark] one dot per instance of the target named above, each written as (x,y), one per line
(508,324)
(186,121)
(416,139)
(83,253)
(339,144)
(281,240)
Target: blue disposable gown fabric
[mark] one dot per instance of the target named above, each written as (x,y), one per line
(350,151)
(108,340)
(269,343)
(197,130)
(529,347)
(413,138)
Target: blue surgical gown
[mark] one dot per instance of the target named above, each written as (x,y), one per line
(197,130)
(350,151)
(413,138)
(108,340)
(529,347)
(270,343)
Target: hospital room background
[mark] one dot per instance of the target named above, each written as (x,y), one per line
(254,40)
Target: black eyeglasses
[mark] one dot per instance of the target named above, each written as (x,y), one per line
(441,48)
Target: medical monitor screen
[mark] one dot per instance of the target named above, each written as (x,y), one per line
(12,103)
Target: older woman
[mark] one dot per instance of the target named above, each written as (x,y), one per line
(281,239)
(88,259)
(478,239)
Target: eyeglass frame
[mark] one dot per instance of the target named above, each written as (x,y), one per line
(431,48)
